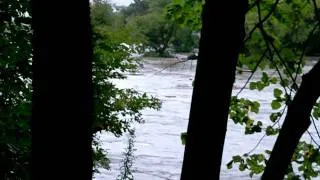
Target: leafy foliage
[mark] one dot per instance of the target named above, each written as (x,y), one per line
(186,12)
(239,113)
(316,111)
(279,34)
(184,40)
(307,158)
(115,109)
(15,90)
(264,82)
(255,163)
(137,8)
(183,138)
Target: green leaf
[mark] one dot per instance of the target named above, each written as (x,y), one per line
(229,165)
(260,85)
(259,123)
(273,80)
(265,77)
(275,104)
(316,111)
(255,107)
(274,116)
(267,151)
(277,93)
(183,138)
(301,168)
(256,128)
(242,167)
(292,176)
(260,157)
(248,130)
(253,85)
(237,158)
(271,131)
(284,82)
(249,122)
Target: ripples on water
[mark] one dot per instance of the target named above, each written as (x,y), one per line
(159,151)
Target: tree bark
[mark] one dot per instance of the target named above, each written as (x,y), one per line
(221,38)
(62,90)
(295,124)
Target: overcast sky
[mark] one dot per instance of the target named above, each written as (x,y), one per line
(122,2)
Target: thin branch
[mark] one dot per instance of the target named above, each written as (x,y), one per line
(253,5)
(283,62)
(264,34)
(266,38)
(258,63)
(178,62)
(253,71)
(265,134)
(259,13)
(305,44)
(255,147)
(277,69)
(314,124)
(260,23)
(269,42)
(313,138)
(280,76)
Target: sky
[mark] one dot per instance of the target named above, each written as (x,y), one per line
(122,2)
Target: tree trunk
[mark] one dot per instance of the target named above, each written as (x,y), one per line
(295,124)
(221,38)
(62,90)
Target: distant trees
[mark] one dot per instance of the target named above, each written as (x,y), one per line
(185,39)
(159,34)
(137,8)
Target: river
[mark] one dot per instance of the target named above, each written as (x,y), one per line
(159,152)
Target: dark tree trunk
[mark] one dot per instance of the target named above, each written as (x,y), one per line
(221,38)
(295,124)
(62,90)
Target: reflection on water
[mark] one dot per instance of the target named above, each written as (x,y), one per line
(159,151)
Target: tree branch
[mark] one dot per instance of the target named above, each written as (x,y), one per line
(260,23)
(175,63)
(296,123)
(315,127)
(315,142)
(253,71)
(276,122)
